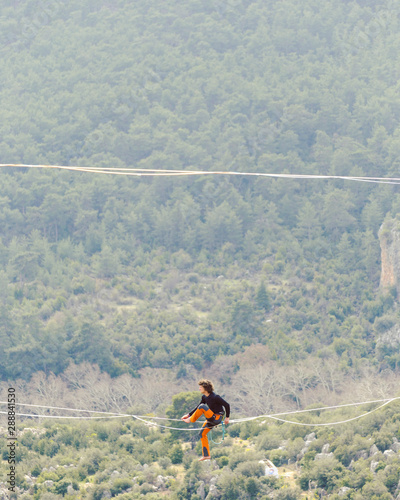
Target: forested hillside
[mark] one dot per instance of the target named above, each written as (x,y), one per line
(269,286)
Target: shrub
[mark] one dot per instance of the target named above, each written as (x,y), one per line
(383,440)
(222,461)
(294,448)
(36,470)
(304,481)
(250,469)
(278,457)
(165,462)
(61,487)
(102,433)
(176,454)
(326,472)
(119,485)
(146,488)
(234,430)
(269,441)
(47,447)
(91,463)
(27,440)
(241,457)
(375,490)
(288,494)
(252,487)
(99,492)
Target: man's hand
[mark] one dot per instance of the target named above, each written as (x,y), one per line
(226,421)
(185,416)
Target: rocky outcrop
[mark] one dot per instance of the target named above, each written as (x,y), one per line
(307,441)
(389,237)
(390,338)
(373,450)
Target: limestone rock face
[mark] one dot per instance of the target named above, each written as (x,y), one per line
(389,237)
(390,338)
(373,450)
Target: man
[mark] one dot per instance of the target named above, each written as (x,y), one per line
(212,407)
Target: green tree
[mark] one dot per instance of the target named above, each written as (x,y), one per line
(308,224)
(262,297)
(336,213)
(176,454)
(182,403)
(222,225)
(89,343)
(244,320)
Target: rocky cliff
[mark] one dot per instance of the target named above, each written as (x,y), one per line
(389,237)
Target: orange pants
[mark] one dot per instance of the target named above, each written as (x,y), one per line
(213,419)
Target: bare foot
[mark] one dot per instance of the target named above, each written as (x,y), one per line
(204,458)
(187,420)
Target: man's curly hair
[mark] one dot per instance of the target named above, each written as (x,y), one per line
(207,384)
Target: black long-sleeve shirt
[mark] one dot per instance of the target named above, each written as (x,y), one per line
(215,403)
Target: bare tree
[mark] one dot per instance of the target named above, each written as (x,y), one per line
(47,389)
(298,380)
(157,386)
(328,374)
(259,389)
